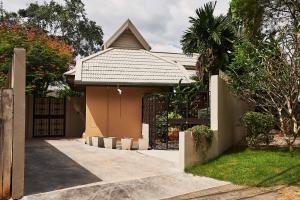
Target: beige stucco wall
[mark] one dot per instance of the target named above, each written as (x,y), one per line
(190,155)
(226,111)
(109,114)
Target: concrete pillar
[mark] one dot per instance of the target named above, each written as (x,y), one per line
(18,84)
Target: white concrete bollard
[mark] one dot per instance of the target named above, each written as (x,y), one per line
(145,131)
(110,142)
(88,141)
(97,141)
(127,143)
(143,144)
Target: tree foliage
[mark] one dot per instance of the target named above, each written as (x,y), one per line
(248,16)
(210,36)
(47,57)
(266,72)
(268,76)
(258,127)
(68,21)
(258,18)
(200,133)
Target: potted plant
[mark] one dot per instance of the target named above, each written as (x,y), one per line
(173,132)
(202,135)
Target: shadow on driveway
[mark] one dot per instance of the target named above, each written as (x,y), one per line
(48,169)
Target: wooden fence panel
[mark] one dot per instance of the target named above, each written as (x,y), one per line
(12,130)
(1,150)
(6,142)
(7,127)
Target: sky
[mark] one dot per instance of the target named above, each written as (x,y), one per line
(161,22)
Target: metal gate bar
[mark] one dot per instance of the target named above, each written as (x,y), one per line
(163,132)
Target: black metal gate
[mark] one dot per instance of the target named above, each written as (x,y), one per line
(169,113)
(49,117)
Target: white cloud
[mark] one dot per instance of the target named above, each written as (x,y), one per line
(161,22)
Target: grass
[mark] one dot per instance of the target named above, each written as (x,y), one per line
(253,167)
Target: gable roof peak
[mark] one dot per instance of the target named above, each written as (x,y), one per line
(127,26)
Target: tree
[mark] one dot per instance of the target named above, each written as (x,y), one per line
(210,36)
(265,70)
(258,18)
(47,57)
(268,76)
(281,15)
(11,17)
(68,21)
(248,16)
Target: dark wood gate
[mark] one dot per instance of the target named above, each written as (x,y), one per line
(49,117)
(169,113)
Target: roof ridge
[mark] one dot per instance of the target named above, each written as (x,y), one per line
(181,67)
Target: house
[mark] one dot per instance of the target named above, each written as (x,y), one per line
(117,78)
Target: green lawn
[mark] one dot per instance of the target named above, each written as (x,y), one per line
(253,167)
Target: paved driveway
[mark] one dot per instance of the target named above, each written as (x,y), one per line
(69,169)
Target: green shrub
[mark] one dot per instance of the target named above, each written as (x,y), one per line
(258,127)
(174,115)
(199,132)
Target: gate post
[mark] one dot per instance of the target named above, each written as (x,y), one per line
(18,85)
(6,142)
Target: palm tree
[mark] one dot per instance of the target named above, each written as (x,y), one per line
(210,36)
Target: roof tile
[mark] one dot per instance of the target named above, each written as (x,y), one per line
(125,66)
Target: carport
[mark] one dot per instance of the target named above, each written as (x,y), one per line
(70,169)
(53,164)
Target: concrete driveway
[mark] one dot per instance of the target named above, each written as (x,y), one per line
(69,169)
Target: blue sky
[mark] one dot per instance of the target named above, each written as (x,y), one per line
(161,22)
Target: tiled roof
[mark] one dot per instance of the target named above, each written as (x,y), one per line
(182,59)
(129,67)
(192,73)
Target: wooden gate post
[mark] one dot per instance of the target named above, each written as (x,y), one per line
(6,142)
(18,85)
(7,116)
